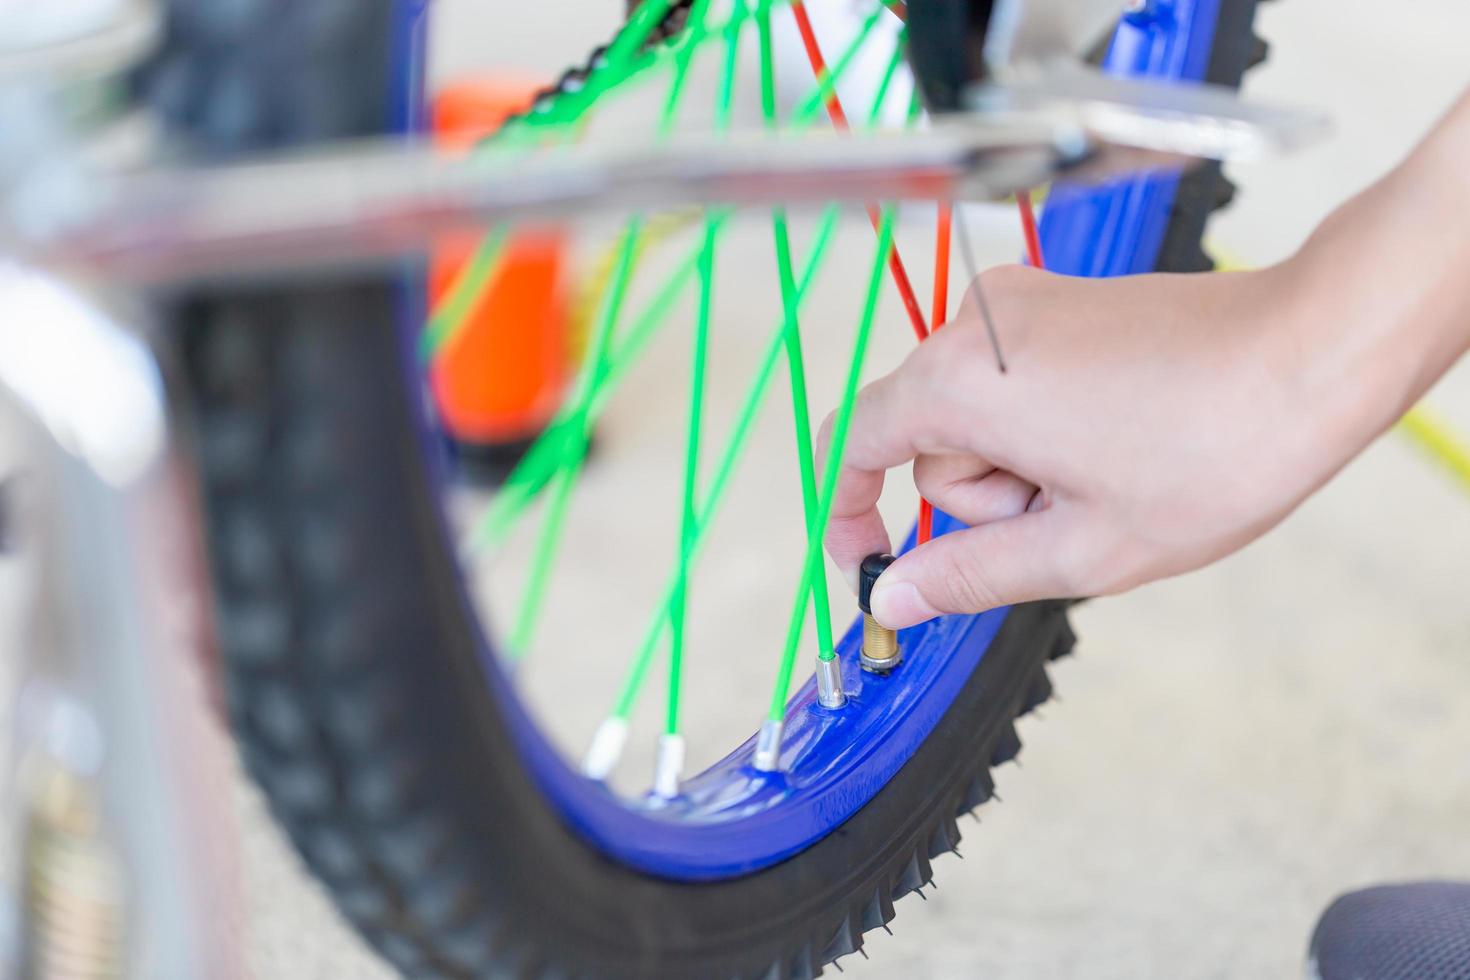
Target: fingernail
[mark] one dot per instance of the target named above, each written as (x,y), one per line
(898,605)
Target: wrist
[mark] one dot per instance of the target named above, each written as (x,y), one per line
(1375,306)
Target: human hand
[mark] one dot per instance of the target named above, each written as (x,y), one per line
(1146,426)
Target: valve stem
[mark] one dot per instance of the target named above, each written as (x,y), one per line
(881,652)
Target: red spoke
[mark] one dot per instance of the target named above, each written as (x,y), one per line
(839,120)
(1028,228)
(941,289)
(942,232)
(941,264)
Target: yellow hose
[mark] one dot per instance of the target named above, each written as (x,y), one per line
(1433,436)
(587,297)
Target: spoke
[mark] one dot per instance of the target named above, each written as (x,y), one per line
(1028,230)
(453,311)
(896,267)
(535,470)
(679,606)
(812,564)
(825,94)
(668,780)
(625,47)
(611,735)
(724,471)
(943,231)
(801,412)
(574,447)
(682,61)
(570,432)
(574,453)
(791,340)
(620,62)
(880,97)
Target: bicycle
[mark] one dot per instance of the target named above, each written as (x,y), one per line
(392,742)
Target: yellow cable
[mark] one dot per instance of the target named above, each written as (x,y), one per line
(1434,437)
(659,229)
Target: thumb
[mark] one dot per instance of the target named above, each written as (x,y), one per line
(1018,559)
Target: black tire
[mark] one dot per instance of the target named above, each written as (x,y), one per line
(353,664)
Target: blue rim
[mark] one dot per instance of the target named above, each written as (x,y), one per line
(733,819)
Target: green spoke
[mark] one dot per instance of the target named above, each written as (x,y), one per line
(574,447)
(574,451)
(767,62)
(694,36)
(801,413)
(725,470)
(796,368)
(635,677)
(535,469)
(626,47)
(812,564)
(619,63)
(916,108)
(679,607)
(554,463)
(827,81)
(886,82)
(534,472)
(812,568)
(725,97)
(469,284)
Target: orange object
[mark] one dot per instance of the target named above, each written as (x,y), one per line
(502,374)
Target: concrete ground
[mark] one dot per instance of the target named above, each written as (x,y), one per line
(1230,749)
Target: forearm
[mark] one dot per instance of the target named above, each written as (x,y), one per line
(1381,292)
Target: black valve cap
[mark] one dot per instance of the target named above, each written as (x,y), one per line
(872,567)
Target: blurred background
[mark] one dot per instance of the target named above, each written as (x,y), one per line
(1228,750)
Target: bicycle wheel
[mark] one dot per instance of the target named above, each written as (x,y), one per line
(392,742)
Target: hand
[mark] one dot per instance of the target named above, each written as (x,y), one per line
(1143,429)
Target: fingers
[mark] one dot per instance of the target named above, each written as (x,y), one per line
(892,422)
(854,528)
(971,489)
(945,399)
(1033,556)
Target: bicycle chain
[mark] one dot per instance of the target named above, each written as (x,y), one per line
(673,23)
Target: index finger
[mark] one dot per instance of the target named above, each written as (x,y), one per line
(892,422)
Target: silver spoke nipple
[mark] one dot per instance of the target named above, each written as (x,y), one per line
(670,765)
(768,746)
(881,652)
(829,683)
